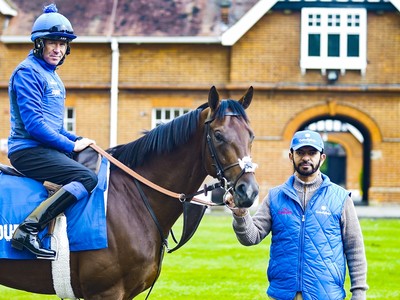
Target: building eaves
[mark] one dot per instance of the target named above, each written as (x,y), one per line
(18,39)
(6,9)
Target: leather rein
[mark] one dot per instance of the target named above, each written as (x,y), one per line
(129,171)
(223,182)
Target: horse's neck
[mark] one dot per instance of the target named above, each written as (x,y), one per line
(181,171)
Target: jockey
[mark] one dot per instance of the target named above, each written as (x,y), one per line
(39,146)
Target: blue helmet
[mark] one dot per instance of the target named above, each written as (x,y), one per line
(52,25)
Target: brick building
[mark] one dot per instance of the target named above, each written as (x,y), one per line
(332,66)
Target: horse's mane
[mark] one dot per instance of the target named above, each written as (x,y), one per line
(166,137)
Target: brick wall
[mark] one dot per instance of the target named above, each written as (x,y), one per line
(266,57)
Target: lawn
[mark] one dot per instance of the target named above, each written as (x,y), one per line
(213,265)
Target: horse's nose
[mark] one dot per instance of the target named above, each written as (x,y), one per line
(246,193)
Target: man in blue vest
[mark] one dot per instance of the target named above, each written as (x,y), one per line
(38,145)
(315,230)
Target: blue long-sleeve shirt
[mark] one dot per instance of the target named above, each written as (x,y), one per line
(37,97)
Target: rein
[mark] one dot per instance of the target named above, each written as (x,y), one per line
(180,197)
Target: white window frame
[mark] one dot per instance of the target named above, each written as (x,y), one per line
(167,114)
(70,123)
(343,28)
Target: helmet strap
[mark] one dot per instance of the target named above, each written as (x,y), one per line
(38,49)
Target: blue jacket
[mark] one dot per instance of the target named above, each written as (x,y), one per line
(37,98)
(306,250)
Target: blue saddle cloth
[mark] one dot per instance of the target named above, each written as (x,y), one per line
(86,219)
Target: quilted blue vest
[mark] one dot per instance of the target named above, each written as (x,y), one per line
(306,249)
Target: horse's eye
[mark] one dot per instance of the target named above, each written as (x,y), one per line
(218,136)
(252,137)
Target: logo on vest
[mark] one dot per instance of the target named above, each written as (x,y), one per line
(54,91)
(285,211)
(323,211)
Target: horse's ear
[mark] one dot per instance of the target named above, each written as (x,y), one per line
(246,99)
(213,99)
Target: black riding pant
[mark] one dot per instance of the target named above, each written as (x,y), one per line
(48,164)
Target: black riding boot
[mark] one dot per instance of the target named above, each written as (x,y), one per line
(26,234)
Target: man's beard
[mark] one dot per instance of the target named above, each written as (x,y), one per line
(309,172)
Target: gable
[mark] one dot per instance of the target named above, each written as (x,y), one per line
(234,33)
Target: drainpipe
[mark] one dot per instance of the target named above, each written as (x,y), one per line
(114,92)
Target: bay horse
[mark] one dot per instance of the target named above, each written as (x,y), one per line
(178,156)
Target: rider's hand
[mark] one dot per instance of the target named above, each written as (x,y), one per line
(240,212)
(83,143)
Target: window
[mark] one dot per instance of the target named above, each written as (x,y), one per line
(333,38)
(69,119)
(164,115)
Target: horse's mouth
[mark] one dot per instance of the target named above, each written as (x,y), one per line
(245,196)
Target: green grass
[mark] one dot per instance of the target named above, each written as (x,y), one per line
(213,265)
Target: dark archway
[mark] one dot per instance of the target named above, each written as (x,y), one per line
(366,149)
(335,164)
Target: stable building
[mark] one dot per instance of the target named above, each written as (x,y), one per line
(331,66)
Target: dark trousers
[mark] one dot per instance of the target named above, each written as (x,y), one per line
(47,164)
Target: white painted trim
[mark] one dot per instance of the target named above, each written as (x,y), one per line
(6,9)
(15,39)
(396,3)
(10,39)
(114,93)
(234,33)
(170,39)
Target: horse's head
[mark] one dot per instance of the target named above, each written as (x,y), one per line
(229,138)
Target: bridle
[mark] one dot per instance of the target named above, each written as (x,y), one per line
(245,164)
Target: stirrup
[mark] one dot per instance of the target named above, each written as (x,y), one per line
(50,236)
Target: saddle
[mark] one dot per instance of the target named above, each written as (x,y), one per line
(88,157)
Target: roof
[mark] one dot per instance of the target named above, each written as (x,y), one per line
(132,18)
(161,21)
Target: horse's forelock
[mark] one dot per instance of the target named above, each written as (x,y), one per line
(230,106)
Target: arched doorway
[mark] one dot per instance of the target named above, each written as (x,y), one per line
(357,127)
(345,146)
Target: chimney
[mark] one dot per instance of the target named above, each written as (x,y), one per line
(225,6)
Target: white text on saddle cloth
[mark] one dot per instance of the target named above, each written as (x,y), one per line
(247,165)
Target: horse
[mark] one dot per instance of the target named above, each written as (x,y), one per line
(178,155)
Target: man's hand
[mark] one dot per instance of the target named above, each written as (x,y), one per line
(83,144)
(240,212)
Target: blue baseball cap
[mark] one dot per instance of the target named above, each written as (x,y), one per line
(307,138)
